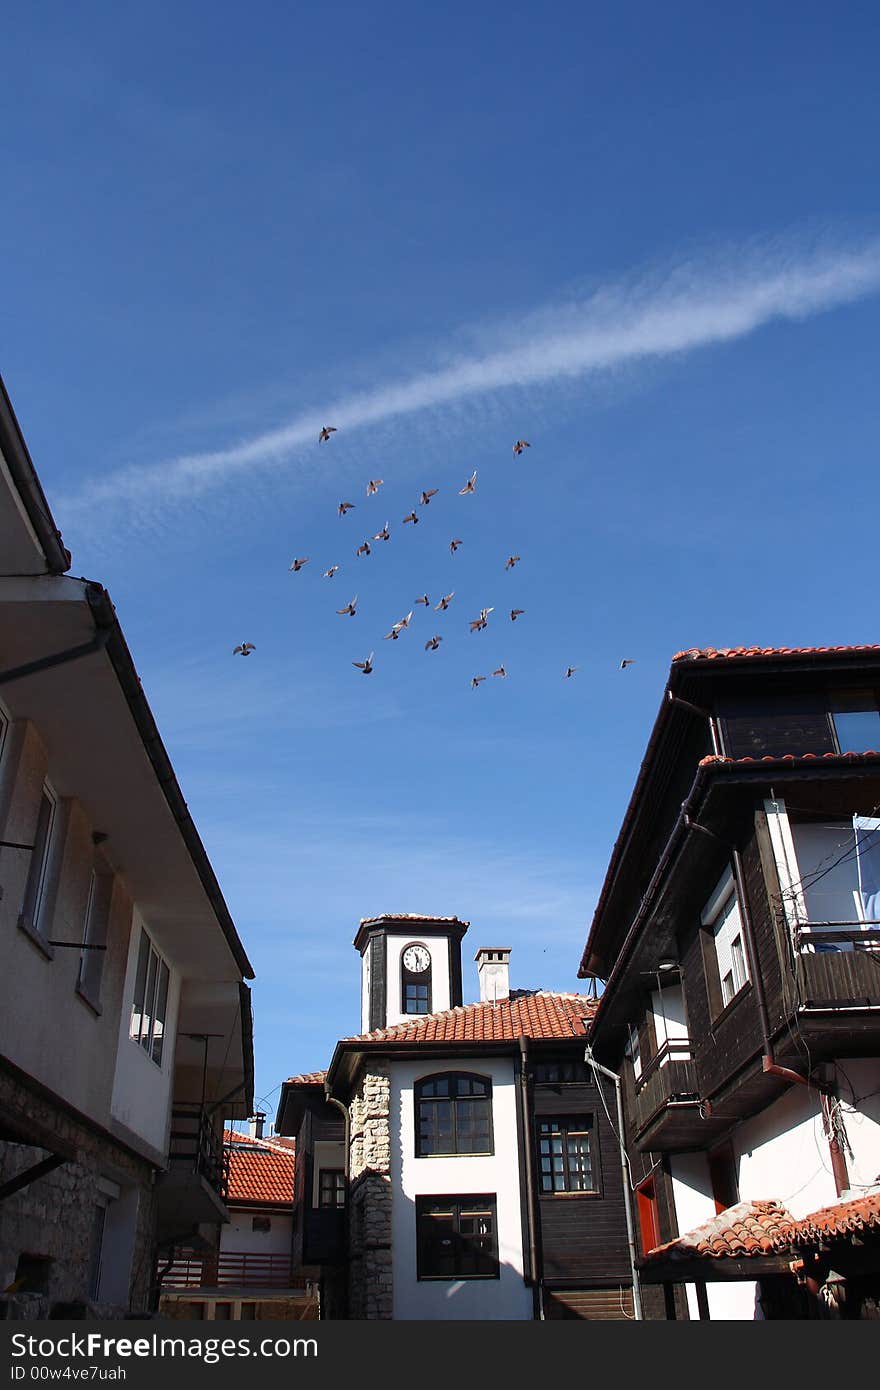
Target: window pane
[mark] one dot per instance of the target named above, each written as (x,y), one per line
(161,1006)
(36,882)
(149,1002)
(140,985)
(858,730)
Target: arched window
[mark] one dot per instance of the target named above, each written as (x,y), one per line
(415,979)
(453,1114)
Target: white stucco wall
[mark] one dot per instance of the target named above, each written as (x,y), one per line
(694,1204)
(505,1298)
(141,1089)
(239,1236)
(782,1154)
(670,1020)
(438,948)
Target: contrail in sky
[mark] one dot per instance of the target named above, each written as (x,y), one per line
(690,308)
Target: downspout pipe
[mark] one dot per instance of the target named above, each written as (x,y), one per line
(626,1175)
(535,1271)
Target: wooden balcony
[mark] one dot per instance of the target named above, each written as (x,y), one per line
(233,1269)
(838,965)
(665,1104)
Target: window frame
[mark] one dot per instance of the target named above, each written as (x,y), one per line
(35,894)
(421,979)
(337,1188)
(453,1077)
(713,922)
(96,925)
(150,987)
(459,1206)
(587,1118)
(863,702)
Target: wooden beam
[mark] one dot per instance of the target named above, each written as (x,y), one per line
(29,1175)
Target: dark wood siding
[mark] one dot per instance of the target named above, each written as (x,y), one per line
(604,1304)
(378,979)
(583,1236)
(776,724)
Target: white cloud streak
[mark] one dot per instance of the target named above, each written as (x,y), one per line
(691,307)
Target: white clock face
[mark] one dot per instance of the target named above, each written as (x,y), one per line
(416,959)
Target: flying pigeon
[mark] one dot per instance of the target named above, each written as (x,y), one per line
(328,574)
(384,534)
(444,603)
(398,627)
(500,672)
(426,496)
(373,486)
(298,564)
(515,612)
(345,507)
(627,661)
(365,666)
(520,445)
(453,545)
(475,681)
(364,549)
(511,561)
(350,607)
(425,600)
(433,643)
(570,670)
(245,648)
(470,485)
(326,433)
(412,517)
(479,623)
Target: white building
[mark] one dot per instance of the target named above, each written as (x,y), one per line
(480,1169)
(125,1023)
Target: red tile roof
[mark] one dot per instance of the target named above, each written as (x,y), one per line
(714,653)
(411,917)
(749,1228)
(307,1078)
(841,1220)
(762,1228)
(261,1170)
(532,1015)
(715,758)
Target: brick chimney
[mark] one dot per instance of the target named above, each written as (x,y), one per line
(255,1124)
(493,969)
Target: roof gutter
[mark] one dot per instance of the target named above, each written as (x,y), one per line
(106,621)
(27,484)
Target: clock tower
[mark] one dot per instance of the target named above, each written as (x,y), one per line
(410,965)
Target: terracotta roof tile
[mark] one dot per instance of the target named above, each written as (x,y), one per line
(840,1220)
(538,1014)
(749,1228)
(716,653)
(260,1170)
(717,758)
(761,1228)
(411,917)
(307,1078)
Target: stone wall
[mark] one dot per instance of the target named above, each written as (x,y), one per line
(53,1217)
(370,1268)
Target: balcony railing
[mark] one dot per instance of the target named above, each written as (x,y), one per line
(838,964)
(196,1146)
(240,1269)
(670,1076)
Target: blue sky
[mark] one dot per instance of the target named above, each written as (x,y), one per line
(645,239)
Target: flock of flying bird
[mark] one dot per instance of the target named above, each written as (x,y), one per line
(477,624)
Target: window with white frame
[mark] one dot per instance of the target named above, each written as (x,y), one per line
(94,937)
(150,1002)
(838,874)
(721,916)
(634,1049)
(35,889)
